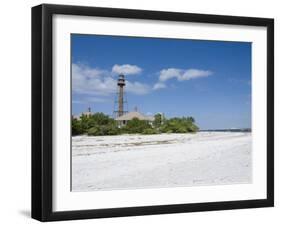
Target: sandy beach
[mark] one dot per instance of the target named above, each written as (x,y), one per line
(165,160)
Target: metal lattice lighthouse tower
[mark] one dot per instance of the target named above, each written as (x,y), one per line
(122,116)
(120,95)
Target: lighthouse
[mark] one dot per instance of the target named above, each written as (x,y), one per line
(120,96)
(123,116)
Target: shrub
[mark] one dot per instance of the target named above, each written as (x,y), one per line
(95,131)
(103,130)
(136,126)
(157,120)
(100,124)
(181,130)
(149,131)
(193,128)
(112,130)
(76,127)
(179,125)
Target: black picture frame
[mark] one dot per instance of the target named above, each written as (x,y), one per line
(42,112)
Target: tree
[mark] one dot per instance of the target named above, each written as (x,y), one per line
(157,120)
(85,122)
(136,126)
(149,131)
(99,124)
(191,119)
(103,130)
(179,125)
(100,119)
(76,127)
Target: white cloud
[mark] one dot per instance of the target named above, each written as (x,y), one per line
(169,73)
(159,85)
(194,73)
(88,100)
(126,69)
(96,82)
(93,81)
(182,75)
(137,88)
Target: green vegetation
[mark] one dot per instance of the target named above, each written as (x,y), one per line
(150,131)
(103,130)
(179,125)
(99,124)
(136,126)
(157,120)
(76,127)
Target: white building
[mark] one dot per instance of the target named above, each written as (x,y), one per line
(133,114)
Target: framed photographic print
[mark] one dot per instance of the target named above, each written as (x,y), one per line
(145,112)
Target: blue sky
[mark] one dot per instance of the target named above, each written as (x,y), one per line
(209,80)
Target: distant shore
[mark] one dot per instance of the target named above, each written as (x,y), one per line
(226,130)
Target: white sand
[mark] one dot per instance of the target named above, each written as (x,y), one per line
(166,160)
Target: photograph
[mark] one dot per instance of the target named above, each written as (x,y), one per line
(159,112)
(148,112)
